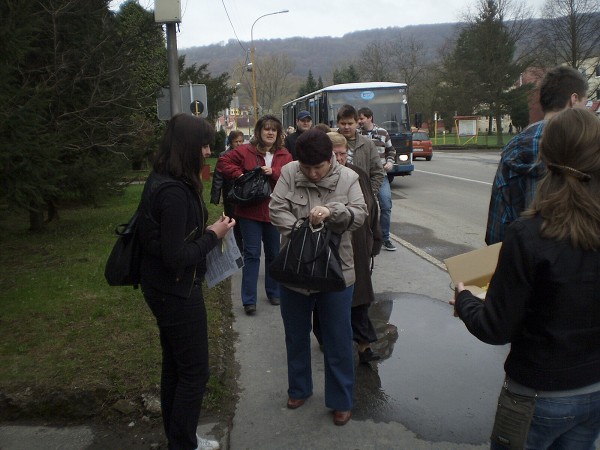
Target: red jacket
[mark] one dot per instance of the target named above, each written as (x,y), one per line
(243,159)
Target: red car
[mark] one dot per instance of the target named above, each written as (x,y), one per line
(422,147)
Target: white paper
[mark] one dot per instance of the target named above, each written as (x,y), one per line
(223,261)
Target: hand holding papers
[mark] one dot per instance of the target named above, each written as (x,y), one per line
(223,260)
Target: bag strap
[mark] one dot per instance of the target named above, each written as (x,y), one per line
(306,227)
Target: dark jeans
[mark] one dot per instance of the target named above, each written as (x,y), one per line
(334,312)
(563,423)
(184,342)
(363,331)
(254,232)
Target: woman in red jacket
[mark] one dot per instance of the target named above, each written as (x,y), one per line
(265,150)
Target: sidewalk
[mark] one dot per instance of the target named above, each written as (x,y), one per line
(262,420)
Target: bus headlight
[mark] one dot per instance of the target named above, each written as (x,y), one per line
(403,158)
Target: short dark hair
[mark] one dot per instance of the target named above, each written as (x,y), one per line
(367,112)
(347,112)
(558,85)
(313,147)
(234,134)
(323,127)
(261,123)
(180,151)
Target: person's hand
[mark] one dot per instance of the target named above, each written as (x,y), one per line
(459,288)
(388,166)
(267,170)
(221,226)
(318,214)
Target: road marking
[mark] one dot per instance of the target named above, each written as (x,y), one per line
(426,256)
(456,178)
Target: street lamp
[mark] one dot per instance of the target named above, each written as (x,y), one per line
(252,58)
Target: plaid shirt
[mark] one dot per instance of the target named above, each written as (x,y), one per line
(381,138)
(514,184)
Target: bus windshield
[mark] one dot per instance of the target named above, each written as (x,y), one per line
(389,106)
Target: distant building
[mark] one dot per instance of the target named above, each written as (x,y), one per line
(590,68)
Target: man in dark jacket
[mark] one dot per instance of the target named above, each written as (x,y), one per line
(303,122)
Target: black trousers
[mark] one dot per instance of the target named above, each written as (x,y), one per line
(185,371)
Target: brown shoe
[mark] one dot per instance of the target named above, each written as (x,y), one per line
(293,403)
(341,417)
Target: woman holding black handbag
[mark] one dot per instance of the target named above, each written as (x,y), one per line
(265,151)
(318,188)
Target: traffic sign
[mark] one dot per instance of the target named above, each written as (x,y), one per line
(190,93)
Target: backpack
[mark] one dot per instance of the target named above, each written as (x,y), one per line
(123,264)
(125,259)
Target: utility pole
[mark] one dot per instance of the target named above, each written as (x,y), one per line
(169,13)
(173,62)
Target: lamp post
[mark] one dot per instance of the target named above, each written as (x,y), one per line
(236,105)
(252,58)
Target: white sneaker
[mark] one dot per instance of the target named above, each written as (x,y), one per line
(207,444)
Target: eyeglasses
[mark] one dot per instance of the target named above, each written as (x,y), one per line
(340,153)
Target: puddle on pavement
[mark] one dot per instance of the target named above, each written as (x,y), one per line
(434,376)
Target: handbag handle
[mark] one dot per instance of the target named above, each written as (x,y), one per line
(320,228)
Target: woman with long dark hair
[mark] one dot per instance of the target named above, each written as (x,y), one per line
(175,242)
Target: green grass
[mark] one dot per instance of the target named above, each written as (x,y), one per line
(482,140)
(62,327)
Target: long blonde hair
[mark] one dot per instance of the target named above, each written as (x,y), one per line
(568,196)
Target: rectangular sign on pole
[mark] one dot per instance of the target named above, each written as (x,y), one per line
(166,11)
(193,101)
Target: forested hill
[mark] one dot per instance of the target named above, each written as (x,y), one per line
(321,54)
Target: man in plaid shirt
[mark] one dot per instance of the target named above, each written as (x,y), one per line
(519,169)
(387,154)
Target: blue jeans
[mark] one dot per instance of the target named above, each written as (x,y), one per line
(385,208)
(185,372)
(253,232)
(564,423)
(336,330)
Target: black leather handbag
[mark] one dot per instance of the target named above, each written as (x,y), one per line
(310,259)
(251,188)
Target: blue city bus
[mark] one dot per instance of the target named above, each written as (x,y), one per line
(388,101)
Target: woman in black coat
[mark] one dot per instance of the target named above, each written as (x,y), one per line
(175,243)
(544,298)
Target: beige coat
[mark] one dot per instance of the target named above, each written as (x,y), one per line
(294,196)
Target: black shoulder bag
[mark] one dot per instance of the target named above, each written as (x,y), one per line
(251,188)
(310,260)
(123,264)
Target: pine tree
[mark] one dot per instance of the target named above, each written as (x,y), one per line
(482,68)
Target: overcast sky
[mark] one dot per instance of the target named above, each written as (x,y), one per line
(206,22)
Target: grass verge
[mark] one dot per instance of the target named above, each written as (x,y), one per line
(63,329)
